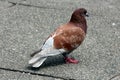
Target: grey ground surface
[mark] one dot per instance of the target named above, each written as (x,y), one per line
(25,25)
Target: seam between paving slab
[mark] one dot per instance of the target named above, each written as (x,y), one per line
(45,75)
(114,76)
(33,73)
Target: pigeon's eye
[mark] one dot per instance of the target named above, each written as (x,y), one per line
(85,12)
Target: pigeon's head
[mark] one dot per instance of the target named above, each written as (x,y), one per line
(81,12)
(78,16)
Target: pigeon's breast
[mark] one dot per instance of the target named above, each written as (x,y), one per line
(69,38)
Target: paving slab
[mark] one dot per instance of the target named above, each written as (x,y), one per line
(24,28)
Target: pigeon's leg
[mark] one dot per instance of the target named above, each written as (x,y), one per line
(69,59)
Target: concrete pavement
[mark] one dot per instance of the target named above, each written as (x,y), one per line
(24,24)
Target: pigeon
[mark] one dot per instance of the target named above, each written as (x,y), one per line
(63,40)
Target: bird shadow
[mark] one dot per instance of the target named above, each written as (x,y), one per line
(51,61)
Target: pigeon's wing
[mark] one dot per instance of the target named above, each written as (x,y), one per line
(48,49)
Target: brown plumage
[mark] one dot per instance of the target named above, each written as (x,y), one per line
(68,37)
(65,39)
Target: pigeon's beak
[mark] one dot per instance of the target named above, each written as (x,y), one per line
(87,14)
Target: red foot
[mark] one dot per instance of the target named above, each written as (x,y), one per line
(71,60)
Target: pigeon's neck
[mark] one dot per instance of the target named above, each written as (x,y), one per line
(79,21)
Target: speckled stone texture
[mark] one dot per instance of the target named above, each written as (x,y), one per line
(25,24)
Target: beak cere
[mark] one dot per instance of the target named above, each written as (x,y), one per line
(87,14)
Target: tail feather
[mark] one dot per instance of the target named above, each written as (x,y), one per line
(33,60)
(39,62)
(40,57)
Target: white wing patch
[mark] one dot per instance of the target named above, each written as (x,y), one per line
(49,42)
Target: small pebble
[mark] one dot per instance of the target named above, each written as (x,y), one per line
(36,30)
(113,24)
(13,49)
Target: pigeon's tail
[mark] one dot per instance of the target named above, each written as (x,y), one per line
(38,59)
(38,63)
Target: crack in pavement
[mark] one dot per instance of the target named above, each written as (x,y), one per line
(13,4)
(114,76)
(30,5)
(33,73)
